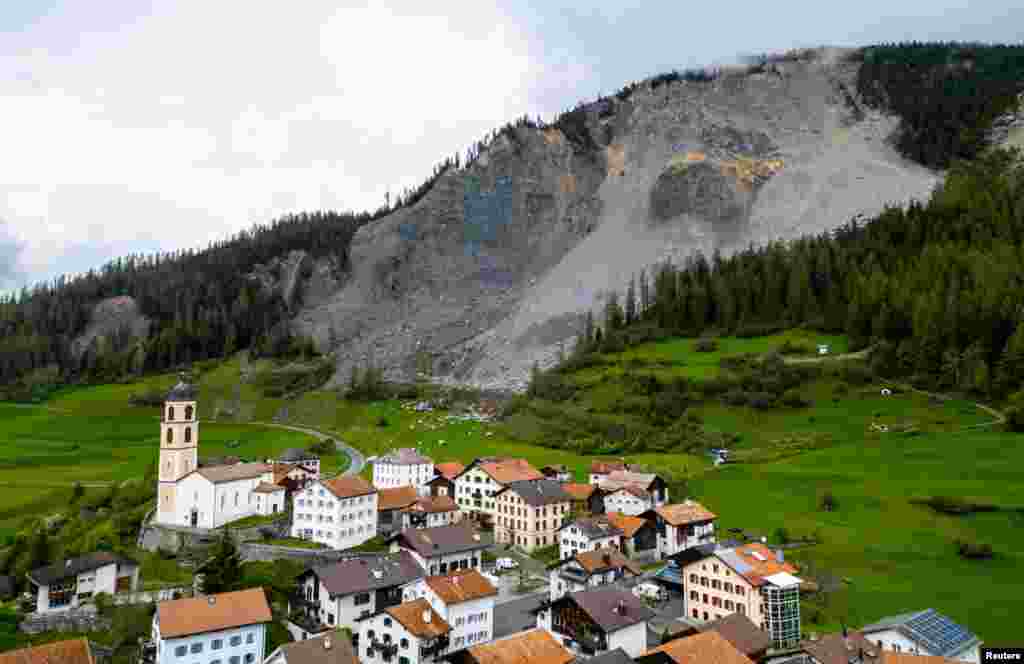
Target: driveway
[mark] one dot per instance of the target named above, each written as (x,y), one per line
(515,616)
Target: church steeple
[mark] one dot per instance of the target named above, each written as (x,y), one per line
(179,440)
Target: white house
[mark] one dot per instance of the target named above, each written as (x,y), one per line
(70,583)
(402,467)
(588,534)
(628,500)
(465,600)
(305,459)
(588,570)
(629,491)
(412,631)
(442,550)
(926,632)
(339,594)
(682,526)
(600,469)
(227,628)
(430,512)
(334,647)
(477,484)
(593,622)
(341,512)
(211,496)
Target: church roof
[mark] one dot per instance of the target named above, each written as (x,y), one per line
(235,472)
(183,391)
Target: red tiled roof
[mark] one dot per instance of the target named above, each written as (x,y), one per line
(412,614)
(704,648)
(349,486)
(461,586)
(449,469)
(195,615)
(578,491)
(627,524)
(71,651)
(396,498)
(685,512)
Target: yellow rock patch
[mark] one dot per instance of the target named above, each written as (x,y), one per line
(616,154)
(567,184)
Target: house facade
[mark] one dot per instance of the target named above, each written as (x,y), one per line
(442,550)
(586,498)
(588,570)
(390,502)
(340,513)
(596,621)
(304,459)
(633,493)
(226,627)
(71,583)
(430,512)
(639,536)
(750,580)
(682,526)
(601,468)
(477,484)
(529,513)
(340,594)
(926,632)
(443,483)
(402,467)
(587,534)
(412,632)
(466,602)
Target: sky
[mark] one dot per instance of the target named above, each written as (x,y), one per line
(132,126)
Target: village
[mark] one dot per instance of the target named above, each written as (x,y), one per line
(490,562)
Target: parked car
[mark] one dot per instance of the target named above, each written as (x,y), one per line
(651,591)
(505,563)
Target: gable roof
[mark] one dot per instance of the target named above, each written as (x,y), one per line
(632,489)
(71,651)
(504,471)
(537,492)
(755,562)
(610,608)
(405,456)
(594,527)
(195,615)
(348,486)
(441,540)
(449,469)
(579,491)
(631,477)
(535,646)
(743,634)
(836,649)
(45,576)
(396,498)
(688,511)
(627,524)
(602,560)
(432,505)
(461,586)
(234,472)
(282,470)
(334,647)
(357,575)
(411,615)
(930,629)
(266,487)
(705,648)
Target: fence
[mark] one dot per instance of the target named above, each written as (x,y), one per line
(146,596)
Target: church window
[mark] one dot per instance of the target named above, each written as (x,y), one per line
(188,412)
(170,435)
(236,499)
(223,497)
(170,413)
(188,434)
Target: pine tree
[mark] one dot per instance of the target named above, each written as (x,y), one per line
(645,295)
(1010,370)
(631,302)
(613,316)
(222,571)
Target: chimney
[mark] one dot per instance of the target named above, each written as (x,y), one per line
(426,616)
(620,608)
(327,643)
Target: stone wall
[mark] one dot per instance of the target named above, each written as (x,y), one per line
(254,551)
(84,619)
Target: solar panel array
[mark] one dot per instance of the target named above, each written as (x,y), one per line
(938,633)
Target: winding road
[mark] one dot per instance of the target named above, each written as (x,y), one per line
(356,459)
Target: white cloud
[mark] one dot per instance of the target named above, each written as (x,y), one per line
(200,118)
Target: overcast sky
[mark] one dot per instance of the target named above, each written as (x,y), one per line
(130,126)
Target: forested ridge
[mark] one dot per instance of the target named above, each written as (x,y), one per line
(937,288)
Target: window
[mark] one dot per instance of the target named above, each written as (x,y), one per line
(170,436)
(251,638)
(234,659)
(196,648)
(387,622)
(236,640)
(369,634)
(403,660)
(216,644)
(170,413)
(180,651)
(369,653)
(249,657)
(404,643)
(216,661)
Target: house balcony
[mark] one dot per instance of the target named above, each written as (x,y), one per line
(436,647)
(575,576)
(387,650)
(586,643)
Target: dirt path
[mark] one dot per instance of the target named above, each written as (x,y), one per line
(356,459)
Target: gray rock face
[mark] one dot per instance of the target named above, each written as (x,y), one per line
(110,318)
(493,269)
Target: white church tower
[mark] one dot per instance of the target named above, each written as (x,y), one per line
(179,447)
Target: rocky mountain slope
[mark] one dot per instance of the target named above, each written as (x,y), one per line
(493,268)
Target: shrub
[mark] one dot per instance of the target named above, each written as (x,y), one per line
(382,421)
(974,550)
(793,399)
(761,400)
(781,535)
(758,330)
(705,345)
(735,398)
(855,374)
(829,502)
(790,347)
(1015,413)
(322,447)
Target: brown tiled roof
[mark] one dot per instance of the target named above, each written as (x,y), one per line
(281,471)
(72,651)
(405,456)
(411,615)
(442,540)
(889,657)
(72,567)
(605,559)
(634,489)
(632,477)
(432,505)
(511,470)
(234,472)
(536,646)
(743,634)
(627,524)
(758,569)
(396,498)
(449,469)
(604,467)
(266,487)
(578,491)
(195,615)
(461,586)
(685,512)
(611,608)
(349,486)
(837,649)
(314,650)
(706,648)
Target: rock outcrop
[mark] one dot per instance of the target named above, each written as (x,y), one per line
(116,322)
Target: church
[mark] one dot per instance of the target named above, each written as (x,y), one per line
(207,496)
